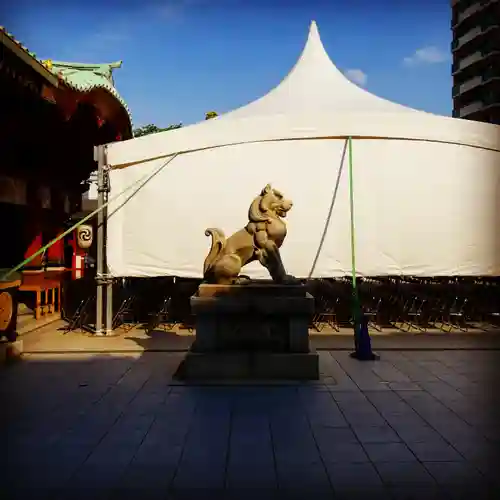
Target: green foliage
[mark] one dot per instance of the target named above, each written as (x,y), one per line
(210,114)
(153,129)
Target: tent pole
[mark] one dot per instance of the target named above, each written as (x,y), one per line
(355,297)
(109,281)
(99,157)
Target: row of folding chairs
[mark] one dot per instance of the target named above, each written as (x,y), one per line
(408,303)
(388,302)
(155,304)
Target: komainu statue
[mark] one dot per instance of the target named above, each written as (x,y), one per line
(259,240)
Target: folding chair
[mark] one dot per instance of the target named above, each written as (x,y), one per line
(326,315)
(125,317)
(454,317)
(414,315)
(162,317)
(489,309)
(372,313)
(79,317)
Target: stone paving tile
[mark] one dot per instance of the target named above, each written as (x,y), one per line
(435,451)
(191,493)
(252,473)
(489,469)
(416,433)
(376,434)
(330,436)
(344,476)
(146,477)
(404,473)
(360,493)
(389,452)
(343,453)
(416,492)
(93,477)
(302,475)
(446,473)
(200,474)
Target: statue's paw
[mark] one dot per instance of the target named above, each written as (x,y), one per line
(291,280)
(242,279)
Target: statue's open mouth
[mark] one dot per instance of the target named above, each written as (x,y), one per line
(281,212)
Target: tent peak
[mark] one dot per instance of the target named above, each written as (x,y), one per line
(313,29)
(315,85)
(313,37)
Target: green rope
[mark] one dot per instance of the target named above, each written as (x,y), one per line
(147,177)
(356,307)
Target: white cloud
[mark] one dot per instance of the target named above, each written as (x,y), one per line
(356,76)
(426,55)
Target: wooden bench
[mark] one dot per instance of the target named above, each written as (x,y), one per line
(47,292)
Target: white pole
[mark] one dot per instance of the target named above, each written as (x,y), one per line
(99,157)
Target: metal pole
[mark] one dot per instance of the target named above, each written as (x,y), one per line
(99,157)
(109,282)
(355,295)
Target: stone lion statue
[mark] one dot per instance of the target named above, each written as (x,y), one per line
(259,240)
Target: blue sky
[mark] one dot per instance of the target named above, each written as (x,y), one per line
(182,58)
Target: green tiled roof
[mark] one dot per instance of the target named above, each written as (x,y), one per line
(86,77)
(78,76)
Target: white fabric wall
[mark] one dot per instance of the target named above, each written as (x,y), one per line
(421,208)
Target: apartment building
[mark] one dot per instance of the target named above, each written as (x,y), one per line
(476,59)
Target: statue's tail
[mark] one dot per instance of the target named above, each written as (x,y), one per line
(218,245)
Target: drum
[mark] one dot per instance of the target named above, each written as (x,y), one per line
(8,304)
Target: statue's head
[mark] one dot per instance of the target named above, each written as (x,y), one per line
(270,204)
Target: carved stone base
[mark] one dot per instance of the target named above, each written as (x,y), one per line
(249,365)
(253,330)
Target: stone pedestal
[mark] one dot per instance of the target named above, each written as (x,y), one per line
(251,331)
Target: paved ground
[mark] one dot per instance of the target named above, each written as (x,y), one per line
(414,425)
(53,338)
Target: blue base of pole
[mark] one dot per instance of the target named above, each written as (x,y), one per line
(370,356)
(363,345)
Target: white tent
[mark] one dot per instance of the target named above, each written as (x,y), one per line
(425,186)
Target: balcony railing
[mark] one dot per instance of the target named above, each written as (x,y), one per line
(470,108)
(467,61)
(471,34)
(469,11)
(466,86)
(492,72)
(460,13)
(470,84)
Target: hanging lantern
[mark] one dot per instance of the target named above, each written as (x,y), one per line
(84,236)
